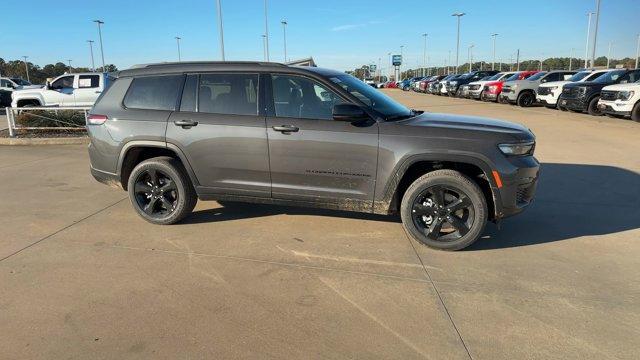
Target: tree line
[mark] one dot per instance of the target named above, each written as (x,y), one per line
(39,75)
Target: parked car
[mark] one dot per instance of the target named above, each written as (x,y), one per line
(454,86)
(476,88)
(548,93)
(391,84)
(13,83)
(584,96)
(444,84)
(621,100)
(430,81)
(370,82)
(523,92)
(66,90)
(200,130)
(492,90)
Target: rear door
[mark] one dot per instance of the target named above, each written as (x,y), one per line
(222,133)
(88,89)
(313,157)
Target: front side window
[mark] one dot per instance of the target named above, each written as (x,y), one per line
(65,82)
(537,76)
(5,83)
(234,94)
(20,82)
(88,81)
(611,76)
(299,97)
(154,92)
(630,77)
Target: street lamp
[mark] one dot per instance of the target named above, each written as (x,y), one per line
(26,67)
(493,64)
(458,15)
(70,71)
(595,34)
(178,38)
(402,60)
(424,55)
(586,47)
(266,30)
(284,34)
(638,51)
(470,54)
(609,54)
(220,29)
(93,63)
(264,46)
(571,59)
(100,23)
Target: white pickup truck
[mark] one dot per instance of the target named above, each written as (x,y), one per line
(66,90)
(621,100)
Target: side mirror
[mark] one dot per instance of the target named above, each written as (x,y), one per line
(348,112)
(47,85)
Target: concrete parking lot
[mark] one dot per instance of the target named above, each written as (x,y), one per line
(82,276)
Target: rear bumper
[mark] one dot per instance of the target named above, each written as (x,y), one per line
(106,178)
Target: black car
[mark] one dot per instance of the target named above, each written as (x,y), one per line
(454,86)
(175,133)
(584,96)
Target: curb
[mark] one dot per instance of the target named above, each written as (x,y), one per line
(44,141)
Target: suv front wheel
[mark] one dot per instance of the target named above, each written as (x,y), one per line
(445,210)
(160,191)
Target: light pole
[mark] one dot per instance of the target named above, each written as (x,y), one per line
(458,15)
(470,54)
(571,59)
(493,64)
(220,29)
(518,59)
(424,54)
(284,34)
(390,64)
(379,69)
(70,71)
(100,23)
(638,51)
(609,54)
(402,60)
(264,46)
(586,47)
(595,34)
(26,67)
(93,63)
(178,38)
(266,30)
(449,63)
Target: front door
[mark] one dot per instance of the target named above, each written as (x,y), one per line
(221,132)
(313,157)
(60,92)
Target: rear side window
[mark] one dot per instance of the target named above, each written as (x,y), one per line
(88,81)
(154,92)
(234,94)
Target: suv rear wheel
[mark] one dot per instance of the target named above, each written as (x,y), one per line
(635,113)
(444,210)
(592,109)
(160,191)
(525,99)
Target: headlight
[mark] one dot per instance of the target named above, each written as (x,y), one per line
(454,83)
(625,95)
(514,86)
(551,88)
(517,149)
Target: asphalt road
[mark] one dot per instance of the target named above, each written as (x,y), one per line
(81,276)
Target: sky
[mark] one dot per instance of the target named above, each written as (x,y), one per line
(339,34)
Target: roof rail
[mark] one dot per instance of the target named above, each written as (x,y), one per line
(182,63)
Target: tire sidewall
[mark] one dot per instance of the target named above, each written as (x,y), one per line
(592,108)
(455,180)
(173,172)
(522,97)
(635,112)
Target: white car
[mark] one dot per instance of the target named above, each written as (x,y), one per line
(621,100)
(80,89)
(476,88)
(548,93)
(11,84)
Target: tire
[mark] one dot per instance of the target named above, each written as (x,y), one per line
(561,108)
(482,96)
(525,99)
(463,227)
(635,113)
(169,206)
(592,108)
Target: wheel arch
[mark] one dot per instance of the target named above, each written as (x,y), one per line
(475,167)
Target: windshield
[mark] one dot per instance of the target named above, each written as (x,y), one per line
(513,77)
(579,76)
(20,82)
(496,76)
(378,101)
(537,76)
(611,76)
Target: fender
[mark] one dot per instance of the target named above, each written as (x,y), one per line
(475,159)
(16,96)
(158,144)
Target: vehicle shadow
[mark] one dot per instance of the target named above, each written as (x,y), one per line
(572,200)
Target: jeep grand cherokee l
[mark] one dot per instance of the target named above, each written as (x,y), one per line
(173,133)
(584,96)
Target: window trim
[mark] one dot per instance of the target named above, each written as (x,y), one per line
(133,78)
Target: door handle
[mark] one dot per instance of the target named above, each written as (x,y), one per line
(186,124)
(286,129)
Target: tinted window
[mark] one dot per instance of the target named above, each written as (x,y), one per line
(610,77)
(64,82)
(235,94)
(154,92)
(20,81)
(579,76)
(299,97)
(88,81)
(5,83)
(188,102)
(537,76)
(630,77)
(551,77)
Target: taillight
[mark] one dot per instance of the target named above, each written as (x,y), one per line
(94,119)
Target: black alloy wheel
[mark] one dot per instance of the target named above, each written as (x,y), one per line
(443,213)
(156,193)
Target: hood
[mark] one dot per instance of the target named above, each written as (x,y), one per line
(623,87)
(555,83)
(468,123)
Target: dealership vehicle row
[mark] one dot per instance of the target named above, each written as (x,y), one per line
(614,92)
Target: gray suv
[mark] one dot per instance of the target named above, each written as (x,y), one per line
(173,133)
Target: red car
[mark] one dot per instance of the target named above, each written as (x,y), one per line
(492,90)
(391,85)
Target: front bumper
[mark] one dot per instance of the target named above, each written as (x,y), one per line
(547,100)
(491,96)
(519,187)
(508,96)
(573,104)
(618,107)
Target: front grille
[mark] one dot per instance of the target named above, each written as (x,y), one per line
(608,95)
(544,90)
(474,87)
(506,89)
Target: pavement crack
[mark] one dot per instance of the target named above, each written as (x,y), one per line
(435,288)
(61,230)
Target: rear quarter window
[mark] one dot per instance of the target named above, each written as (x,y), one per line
(154,92)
